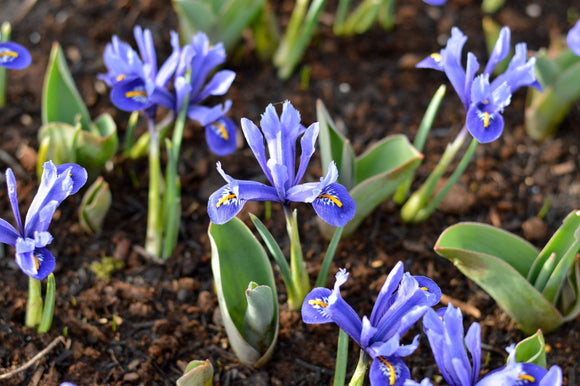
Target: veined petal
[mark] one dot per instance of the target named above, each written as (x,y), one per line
(472,67)
(169,67)
(78,175)
(37,263)
(430,289)
(451,59)
(500,50)
(162,97)
(484,126)
(280,180)
(14,56)
(144,41)
(227,201)
(391,371)
(206,115)
(334,205)
(12,196)
(435,2)
(315,307)
(433,61)
(520,374)
(130,95)
(384,299)
(341,312)
(573,38)
(42,239)
(520,72)
(435,331)
(221,136)
(473,344)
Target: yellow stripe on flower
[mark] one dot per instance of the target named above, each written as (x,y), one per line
(527,377)
(486,119)
(425,288)
(224,199)
(331,198)
(121,77)
(37,263)
(222,130)
(316,302)
(132,94)
(9,53)
(436,57)
(392,375)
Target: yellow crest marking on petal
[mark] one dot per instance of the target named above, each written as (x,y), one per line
(486,119)
(485,102)
(436,57)
(317,302)
(9,53)
(425,288)
(224,199)
(132,94)
(36,262)
(389,366)
(331,198)
(527,377)
(222,130)
(121,77)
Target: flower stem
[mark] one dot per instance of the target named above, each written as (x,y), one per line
(341,359)
(360,372)
(34,303)
(421,198)
(153,240)
(330,251)
(297,266)
(6,29)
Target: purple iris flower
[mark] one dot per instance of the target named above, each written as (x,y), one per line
(203,59)
(30,240)
(484,100)
(573,38)
(134,77)
(444,330)
(14,56)
(402,301)
(435,2)
(330,200)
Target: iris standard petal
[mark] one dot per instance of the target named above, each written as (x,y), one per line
(573,38)
(471,69)
(391,371)
(435,2)
(307,145)
(12,196)
(500,50)
(130,95)
(384,299)
(8,234)
(435,331)
(473,344)
(206,115)
(255,140)
(221,136)
(553,377)
(14,56)
(484,126)
(451,59)
(218,85)
(335,205)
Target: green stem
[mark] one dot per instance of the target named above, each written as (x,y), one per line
(297,266)
(5,30)
(341,359)
(49,300)
(130,133)
(325,267)
(153,240)
(360,372)
(424,213)
(423,195)
(34,304)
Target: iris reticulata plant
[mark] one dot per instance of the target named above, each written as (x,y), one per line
(401,302)
(444,330)
(329,199)
(483,100)
(138,85)
(31,238)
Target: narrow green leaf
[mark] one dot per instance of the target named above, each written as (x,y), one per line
(387,14)
(49,300)
(498,262)
(259,316)
(362,18)
(491,6)
(238,259)
(328,257)
(193,16)
(341,359)
(234,18)
(171,206)
(61,101)
(95,205)
(532,350)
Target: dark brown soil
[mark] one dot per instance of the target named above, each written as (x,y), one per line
(145,323)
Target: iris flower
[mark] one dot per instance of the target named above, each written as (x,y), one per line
(573,38)
(14,56)
(484,100)
(30,240)
(203,59)
(134,77)
(402,301)
(435,2)
(330,200)
(444,330)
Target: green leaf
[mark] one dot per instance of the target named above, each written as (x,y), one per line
(259,315)
(57,143)
(362,18)
(491,6)
(532,350)
(197,373)
(334,146)
(97,146)
(94,206)
(61,101)
(193,16)
(499,261)
(49,300)
(237,259)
